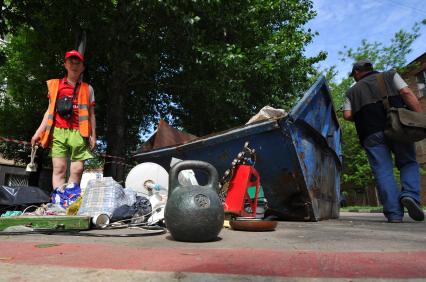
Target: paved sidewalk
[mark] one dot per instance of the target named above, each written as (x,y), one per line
(355,247)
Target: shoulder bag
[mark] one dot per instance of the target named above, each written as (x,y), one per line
(64,104)
(402,125)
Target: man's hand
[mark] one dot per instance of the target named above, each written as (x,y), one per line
(92,142)
(347,115)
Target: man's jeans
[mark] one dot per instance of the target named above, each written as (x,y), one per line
(378,149)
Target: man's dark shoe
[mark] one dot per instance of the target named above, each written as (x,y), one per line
(414,209)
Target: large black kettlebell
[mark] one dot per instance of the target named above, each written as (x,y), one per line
(194,213)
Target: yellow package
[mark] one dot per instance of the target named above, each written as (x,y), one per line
(73,208)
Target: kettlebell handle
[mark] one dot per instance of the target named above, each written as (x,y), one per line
(192,164)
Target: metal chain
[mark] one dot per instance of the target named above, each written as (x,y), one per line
(246,157)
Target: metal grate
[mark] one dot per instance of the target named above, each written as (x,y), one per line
(16,180)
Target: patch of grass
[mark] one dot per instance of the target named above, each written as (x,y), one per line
(373,209)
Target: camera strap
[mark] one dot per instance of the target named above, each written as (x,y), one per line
(75,90)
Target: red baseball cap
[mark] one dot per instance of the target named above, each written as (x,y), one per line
(74,53)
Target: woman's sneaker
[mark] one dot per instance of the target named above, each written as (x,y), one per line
(414,209)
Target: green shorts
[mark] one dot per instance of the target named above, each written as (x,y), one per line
(69,142)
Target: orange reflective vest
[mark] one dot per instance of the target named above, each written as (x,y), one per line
(83,111)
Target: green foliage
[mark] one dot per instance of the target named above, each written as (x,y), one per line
(372,209)
(385,57)
(21,105)
(234,58)
(202,65)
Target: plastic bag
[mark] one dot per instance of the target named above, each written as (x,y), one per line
(22,195)
(66,197)
(140,208)
(103,196)
(267,112)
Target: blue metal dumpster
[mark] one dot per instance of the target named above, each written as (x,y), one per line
(298,156)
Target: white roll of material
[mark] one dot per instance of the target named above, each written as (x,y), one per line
(151,181)
(142,176)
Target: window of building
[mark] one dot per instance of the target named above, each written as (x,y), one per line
(421,83)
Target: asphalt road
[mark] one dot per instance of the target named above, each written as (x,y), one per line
(357,246)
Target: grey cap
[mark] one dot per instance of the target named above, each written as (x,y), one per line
(359,64)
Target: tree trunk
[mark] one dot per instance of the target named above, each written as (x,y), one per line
(117,95)
(115,133)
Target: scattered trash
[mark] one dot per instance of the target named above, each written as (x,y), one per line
(103,196)
(100,220)
(151,181)
(22,195)
(145,177)
(54,209)
(267,112)
(139,211)
(74,207)
(11,213)
(67,195)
